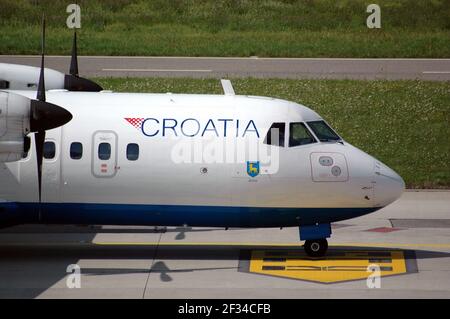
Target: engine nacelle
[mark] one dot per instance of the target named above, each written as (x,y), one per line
(14,126)
(24,77)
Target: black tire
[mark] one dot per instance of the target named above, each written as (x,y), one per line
(316,247)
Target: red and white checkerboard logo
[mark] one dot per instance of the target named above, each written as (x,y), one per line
(135,121)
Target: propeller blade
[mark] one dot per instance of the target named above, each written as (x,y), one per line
(39,113)
(41,86)
(39,139)
(44,116)
(74,61)
(72,81)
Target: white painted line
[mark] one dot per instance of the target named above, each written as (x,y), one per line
(436,72)
(153,70)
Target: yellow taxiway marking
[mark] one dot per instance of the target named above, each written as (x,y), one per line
(339,265)
(345,266)
(392,245)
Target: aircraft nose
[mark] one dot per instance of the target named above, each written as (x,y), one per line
(389,185)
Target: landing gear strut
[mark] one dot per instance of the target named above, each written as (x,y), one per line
(316,244)
(316,247)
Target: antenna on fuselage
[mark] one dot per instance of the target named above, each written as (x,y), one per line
(227,87)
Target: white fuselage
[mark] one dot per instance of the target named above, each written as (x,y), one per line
(192,164)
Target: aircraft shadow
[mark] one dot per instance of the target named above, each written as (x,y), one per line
(26,271)
(177,252)
(82,229)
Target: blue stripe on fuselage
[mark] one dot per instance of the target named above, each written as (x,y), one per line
(174,215)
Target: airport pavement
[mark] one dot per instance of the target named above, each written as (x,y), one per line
(409,241)
(217,67)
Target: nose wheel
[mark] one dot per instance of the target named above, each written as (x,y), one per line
(316,247)
(315,237)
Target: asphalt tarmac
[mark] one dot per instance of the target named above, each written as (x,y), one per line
(407,242)
(216,67)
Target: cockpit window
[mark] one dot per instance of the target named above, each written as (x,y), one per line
(323,132)
(299,135)
(275,135)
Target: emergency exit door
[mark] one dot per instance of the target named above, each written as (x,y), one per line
(104,154)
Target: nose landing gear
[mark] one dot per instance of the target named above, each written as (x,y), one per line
(316,244)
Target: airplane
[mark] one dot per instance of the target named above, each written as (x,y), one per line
(77,154)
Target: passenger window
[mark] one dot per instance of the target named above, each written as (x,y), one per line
(132,152)
(275,135)
(49,150)
(299,135)
(104,151)
(76,150)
